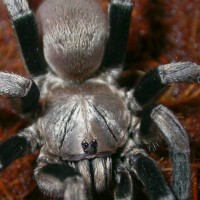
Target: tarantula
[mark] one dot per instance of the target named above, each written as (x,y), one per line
(91,132)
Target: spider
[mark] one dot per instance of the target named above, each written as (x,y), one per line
(91,132)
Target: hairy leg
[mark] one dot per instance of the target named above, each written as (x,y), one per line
(14,85)
(27,34)
(154,82)
(59,179)
(148,172)
(24,142)
(159,121)
(119,21)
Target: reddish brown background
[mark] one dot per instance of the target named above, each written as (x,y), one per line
(162,31)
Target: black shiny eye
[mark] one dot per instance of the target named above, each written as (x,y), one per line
(94,142)
(84,144)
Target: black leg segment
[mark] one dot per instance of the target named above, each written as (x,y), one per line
(12,149)
(119,21)
(14,85)
(150,175)
(26,30)
(162,122)
(156,80)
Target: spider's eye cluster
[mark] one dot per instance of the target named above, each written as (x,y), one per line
(89,148)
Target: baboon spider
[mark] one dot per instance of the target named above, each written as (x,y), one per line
(91,132)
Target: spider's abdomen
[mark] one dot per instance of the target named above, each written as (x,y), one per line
(74,34)
(87,121)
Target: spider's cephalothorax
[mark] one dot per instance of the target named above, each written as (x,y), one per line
(90,132)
